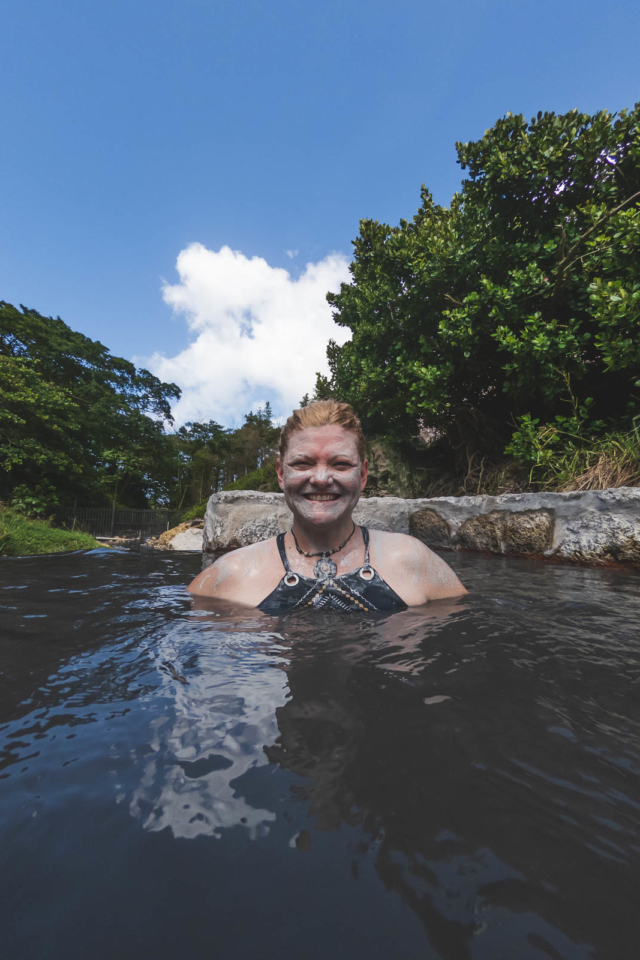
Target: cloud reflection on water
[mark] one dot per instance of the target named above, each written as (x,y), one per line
(213,733)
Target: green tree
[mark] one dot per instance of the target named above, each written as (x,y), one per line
(76,423)
(253,444)
(522,299)
(197,463)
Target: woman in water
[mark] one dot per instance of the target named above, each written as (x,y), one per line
(326,560)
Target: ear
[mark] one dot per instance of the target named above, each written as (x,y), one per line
(279,473)
(364,473)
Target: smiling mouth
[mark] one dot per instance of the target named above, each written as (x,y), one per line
(322,496)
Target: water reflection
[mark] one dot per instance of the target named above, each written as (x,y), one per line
(219,719)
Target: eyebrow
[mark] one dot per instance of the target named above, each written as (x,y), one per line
(307,456)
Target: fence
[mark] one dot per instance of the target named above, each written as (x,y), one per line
(107,522)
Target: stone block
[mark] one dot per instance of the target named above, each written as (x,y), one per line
(528,533)
(239,517)
(431,528)
(484,532)
(600,538)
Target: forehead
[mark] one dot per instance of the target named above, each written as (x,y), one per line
(330,440)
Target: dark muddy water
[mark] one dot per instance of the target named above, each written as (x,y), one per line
(461,781)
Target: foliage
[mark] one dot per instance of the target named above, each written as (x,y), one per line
(76,423)
(207,458)
(517,308)
(396,470)
(196,461)
(20,536)
(30,504)
(254,444)
(264,478)
(562,456)
(197,510)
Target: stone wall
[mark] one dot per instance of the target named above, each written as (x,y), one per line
(594,526)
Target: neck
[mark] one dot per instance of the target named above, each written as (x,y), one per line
(313,539)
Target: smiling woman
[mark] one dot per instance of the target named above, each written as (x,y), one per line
(325,560)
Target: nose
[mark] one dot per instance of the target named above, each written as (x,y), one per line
(321,475)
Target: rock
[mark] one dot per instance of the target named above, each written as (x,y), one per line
(484,532)
(600,539)
(427,526)
(236,518)
(529,533)
(592,526)
(190,539)
(384,513)
(188,535)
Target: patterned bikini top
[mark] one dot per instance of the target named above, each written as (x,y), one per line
(361,590)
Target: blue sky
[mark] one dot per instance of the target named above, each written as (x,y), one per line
(132,130)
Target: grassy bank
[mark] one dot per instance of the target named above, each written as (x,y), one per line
(20,537)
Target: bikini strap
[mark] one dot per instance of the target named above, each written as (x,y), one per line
(283,553)
(365,537)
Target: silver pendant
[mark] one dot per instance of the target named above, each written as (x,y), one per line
(324,569)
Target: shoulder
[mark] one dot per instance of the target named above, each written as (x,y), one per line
(243,574)
(400,546)
(419,572)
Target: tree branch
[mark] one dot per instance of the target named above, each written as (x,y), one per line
(603,219)
(567,258)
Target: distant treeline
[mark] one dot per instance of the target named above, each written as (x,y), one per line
(78,425)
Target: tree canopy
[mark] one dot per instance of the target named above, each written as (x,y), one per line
(516,307)
(76,423)
(205,457)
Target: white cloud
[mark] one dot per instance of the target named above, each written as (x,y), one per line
(292,253)
(258,332)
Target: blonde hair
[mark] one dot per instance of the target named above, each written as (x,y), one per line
(323,413)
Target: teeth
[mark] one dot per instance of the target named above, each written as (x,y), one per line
(322,496)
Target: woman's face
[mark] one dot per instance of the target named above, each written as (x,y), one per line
(322,474)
